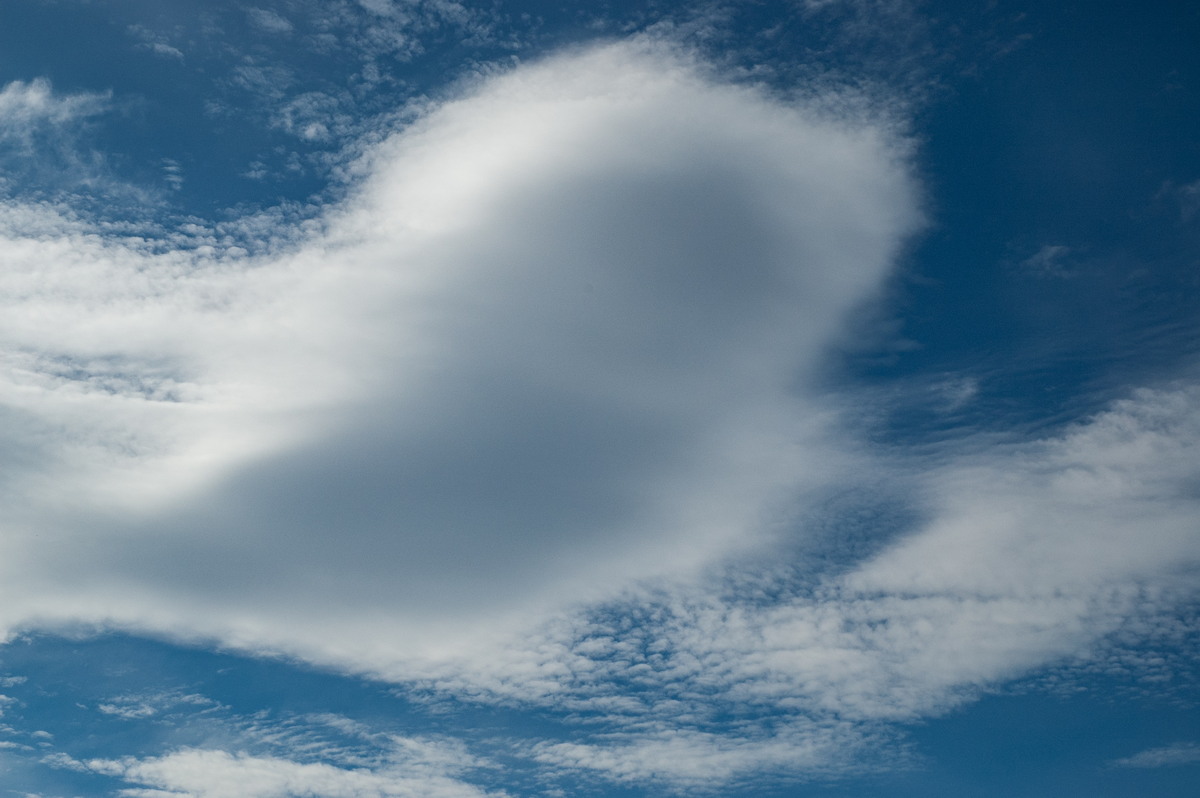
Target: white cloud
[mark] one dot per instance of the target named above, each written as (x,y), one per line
(154,41)
(269,21)
(547,349)
(29,109)
(128,711)
(1028,554)
(1188,196)
(557,344)
(166,50)
(1177,754)
(207,773)
(45,149)
(689,759)
(147,705)
(955,393)
(1112,499)
(264,756)
(267,82)
(315,116)
(1049,261)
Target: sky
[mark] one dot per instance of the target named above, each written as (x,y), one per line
(634,399)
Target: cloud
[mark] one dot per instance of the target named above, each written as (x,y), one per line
(549,347)
(1109,499)
(139,706)
(1024,555)
(269,21)
(1189,200)
(265,756)
(30,108)
(314,116)
(1049,261)
(532,416)
(208,773)
(45,149)
(155,42)
(689,759)
(1177,754)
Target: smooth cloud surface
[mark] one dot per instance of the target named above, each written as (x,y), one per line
(549,347)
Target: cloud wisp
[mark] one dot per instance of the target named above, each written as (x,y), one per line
(33,107)
(1166,756)
(43,141)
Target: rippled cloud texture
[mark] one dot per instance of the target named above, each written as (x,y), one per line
(535,415)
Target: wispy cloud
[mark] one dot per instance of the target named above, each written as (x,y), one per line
(165,704)
(155,41)
(1049,261)
(270,21)
(262,756)
(29,109)
(1188,196)
(1185,753)
(209,773)
(46,151)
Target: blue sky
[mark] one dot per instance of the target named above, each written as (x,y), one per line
(633,399)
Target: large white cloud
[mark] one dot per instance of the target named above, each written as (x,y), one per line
(558,340)
(551,345)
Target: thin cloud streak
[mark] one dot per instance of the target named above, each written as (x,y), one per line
(1167,756)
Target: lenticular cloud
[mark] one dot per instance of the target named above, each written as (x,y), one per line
(550,344)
